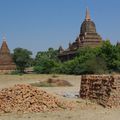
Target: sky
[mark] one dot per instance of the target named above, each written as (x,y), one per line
(40,24)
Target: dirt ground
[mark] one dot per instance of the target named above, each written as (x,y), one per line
(85,110)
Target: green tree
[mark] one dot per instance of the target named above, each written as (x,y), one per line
(46,61)
(45,67)
(87,61)
(111,54)
(51,54)
(94,65)
(22,58)
(116,59)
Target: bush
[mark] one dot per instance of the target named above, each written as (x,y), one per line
(46,67)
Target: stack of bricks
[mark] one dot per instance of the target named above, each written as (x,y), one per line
(102,89)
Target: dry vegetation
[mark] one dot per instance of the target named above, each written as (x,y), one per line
(52,83)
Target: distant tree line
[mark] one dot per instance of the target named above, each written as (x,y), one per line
(99,60)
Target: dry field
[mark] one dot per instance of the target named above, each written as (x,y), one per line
(85,110)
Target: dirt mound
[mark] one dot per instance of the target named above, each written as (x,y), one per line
(52,83)
(25,98)
(58,82)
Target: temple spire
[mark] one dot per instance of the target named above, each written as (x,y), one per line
(4,37)
(87,18)
(4,48)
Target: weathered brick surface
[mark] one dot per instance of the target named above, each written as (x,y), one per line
(25,98)
(103,89)
(6,62)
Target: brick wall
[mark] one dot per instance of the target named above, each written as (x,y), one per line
(102,89)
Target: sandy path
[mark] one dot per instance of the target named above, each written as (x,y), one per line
(67,115)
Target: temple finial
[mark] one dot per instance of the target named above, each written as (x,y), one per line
(87,18)
(4,37)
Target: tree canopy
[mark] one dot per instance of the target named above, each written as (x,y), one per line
(46,61)
(22,58)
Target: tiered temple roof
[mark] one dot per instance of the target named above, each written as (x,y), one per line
(87,37)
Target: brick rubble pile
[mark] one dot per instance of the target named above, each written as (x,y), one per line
(103,89)
(25,98)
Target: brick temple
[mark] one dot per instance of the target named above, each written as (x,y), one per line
(6,62)
(88,37)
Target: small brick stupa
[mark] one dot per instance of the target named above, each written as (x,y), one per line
(6,62)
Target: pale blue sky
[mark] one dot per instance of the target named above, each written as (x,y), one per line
(40,24)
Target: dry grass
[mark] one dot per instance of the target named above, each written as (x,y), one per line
(52,83)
